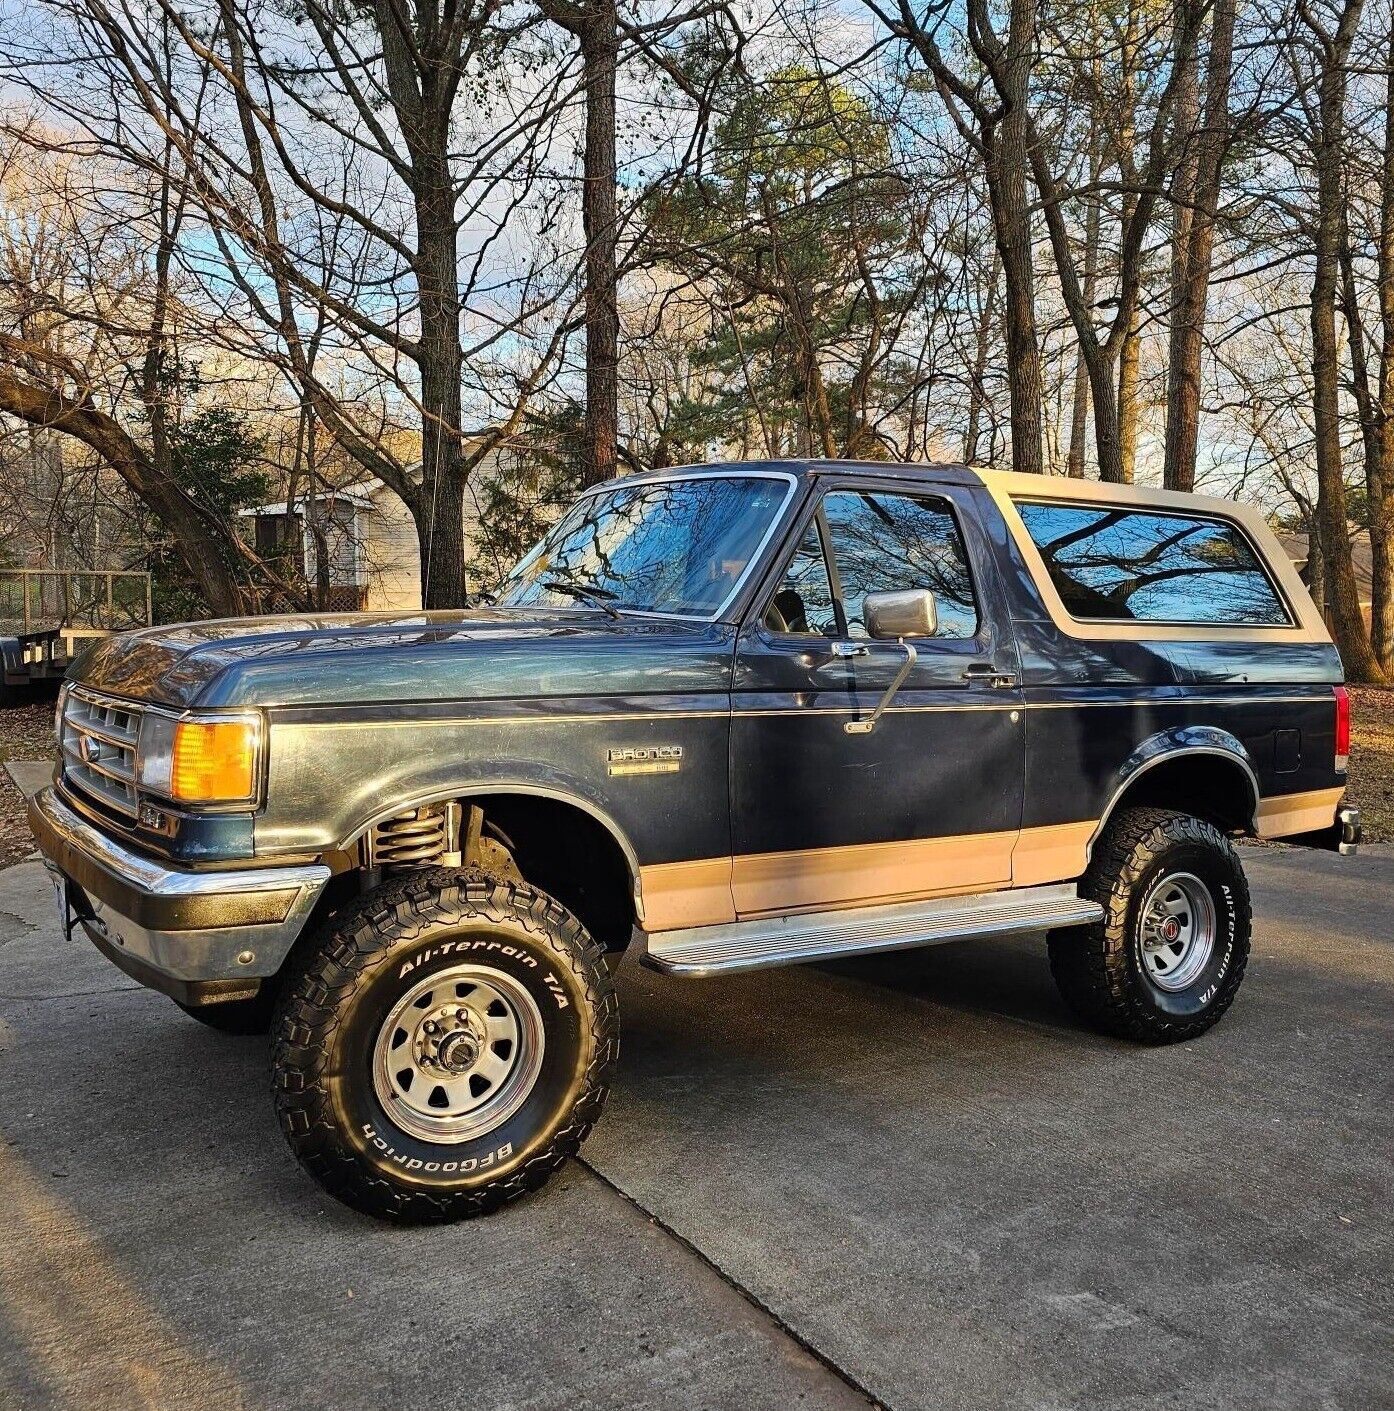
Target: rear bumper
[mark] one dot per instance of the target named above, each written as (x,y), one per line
(198,936)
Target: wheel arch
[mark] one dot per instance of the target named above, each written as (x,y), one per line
(1195,769)
(526,811)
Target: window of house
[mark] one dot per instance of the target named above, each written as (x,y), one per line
(1115,564)
(277,535)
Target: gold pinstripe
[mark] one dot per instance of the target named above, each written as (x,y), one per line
(662,716)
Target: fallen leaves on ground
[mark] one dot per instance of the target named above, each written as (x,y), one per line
(1372,759)
(26,732)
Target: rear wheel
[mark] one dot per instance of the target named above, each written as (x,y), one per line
(1166,960)
(445,1045)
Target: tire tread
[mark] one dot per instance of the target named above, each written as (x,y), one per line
(344,960)
(1090,963)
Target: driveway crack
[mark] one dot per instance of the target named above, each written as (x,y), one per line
(731,1282)
(8,919)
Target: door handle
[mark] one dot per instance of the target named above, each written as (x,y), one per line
(837,651)
(989,675)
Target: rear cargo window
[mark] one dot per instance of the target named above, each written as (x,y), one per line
(1131,565)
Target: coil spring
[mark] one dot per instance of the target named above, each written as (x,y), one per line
(414,839)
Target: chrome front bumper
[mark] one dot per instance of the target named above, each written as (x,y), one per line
(198,936)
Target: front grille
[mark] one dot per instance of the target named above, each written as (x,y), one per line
(99,748)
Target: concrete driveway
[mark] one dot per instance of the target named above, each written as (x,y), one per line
(910,1181)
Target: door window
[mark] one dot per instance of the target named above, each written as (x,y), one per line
(880,543)
(803,602)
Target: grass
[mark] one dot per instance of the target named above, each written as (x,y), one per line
(26,732)
(1372,760)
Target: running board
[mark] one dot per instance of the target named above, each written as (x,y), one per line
(821,935)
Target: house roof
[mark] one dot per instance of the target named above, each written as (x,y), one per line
(1295,546)
(360,495)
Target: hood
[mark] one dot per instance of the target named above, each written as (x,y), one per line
(365,657)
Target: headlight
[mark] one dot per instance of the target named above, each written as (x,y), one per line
(202,759)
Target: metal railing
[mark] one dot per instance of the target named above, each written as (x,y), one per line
(33,599)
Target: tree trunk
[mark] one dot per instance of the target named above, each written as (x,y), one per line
(1191,282)
(1128,343)
(1000,133)
(1079,409)
(1315,574)
(1382,495)
(1368,414)
(1007,166)
(1347,625)
(977,389)
(421,79)
(440,504)
(1104,392)
(599,39)
(1185,120)
(1129,371)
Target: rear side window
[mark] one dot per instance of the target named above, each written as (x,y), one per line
(1136,566)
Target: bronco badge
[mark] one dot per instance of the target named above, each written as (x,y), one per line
(644,759)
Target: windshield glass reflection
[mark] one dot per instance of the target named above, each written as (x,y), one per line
(675,546)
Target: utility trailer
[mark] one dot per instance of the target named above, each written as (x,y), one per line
(48,615)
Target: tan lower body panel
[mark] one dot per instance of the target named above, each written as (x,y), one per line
(773,883)
(1285,814)
(714,891)
(1056,852)
(682,894)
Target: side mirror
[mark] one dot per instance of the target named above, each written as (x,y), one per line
(910,613)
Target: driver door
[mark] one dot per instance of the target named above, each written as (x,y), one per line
(929,802)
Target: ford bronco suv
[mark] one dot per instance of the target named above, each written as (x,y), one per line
(742,715)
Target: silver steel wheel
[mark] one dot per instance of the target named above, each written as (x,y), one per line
(458,1054)
(1176,931)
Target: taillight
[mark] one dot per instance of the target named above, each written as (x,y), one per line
(1342,729)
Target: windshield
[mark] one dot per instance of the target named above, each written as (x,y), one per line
(674,546)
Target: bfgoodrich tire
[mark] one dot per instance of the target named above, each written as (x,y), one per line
(443,1047)
(1166,960)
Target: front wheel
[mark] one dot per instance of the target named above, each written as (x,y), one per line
(444,1047)
(1166,960)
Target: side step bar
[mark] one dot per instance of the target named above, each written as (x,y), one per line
(821,935)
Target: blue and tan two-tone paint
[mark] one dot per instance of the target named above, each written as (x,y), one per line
(748,798)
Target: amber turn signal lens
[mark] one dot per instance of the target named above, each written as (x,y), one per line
(214,761)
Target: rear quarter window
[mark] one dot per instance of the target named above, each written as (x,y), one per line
(1121,565)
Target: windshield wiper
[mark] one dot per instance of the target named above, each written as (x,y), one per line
(595,597)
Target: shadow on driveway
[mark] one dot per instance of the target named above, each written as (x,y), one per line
(916,1164)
